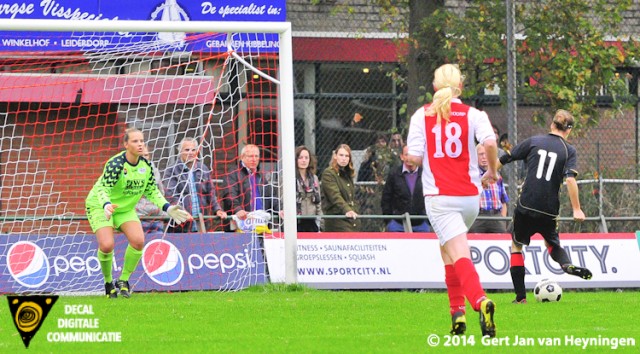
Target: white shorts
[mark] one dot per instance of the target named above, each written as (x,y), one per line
(451,216)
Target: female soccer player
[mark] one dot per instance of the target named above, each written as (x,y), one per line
(549,160)
(441,138)
(111,206)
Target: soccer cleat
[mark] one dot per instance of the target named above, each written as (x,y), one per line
(110,290)
(583,273)
(458,323)
(487,325)
(519,302)
(123,286)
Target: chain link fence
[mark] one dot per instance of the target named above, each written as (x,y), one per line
(359,102)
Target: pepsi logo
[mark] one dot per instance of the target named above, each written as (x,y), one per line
(163,263)
(28,264)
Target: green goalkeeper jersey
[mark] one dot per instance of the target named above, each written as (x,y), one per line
(123,184)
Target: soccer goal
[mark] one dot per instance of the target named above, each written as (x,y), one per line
(63,114)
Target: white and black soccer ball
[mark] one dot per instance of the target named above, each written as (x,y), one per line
(547,290)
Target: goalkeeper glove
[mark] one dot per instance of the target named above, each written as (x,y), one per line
(108,210)
(178,214)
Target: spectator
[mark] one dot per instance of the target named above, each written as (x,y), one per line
(338,192)
(375,168)
(505,147)
(403,194)
(441,136)
(504,143)
(145,208)
(396,143)
(307,190)
(493,200)
(374,164)
(501,149)
(189,182)
(246,189)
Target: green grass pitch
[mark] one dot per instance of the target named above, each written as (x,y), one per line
(275,319)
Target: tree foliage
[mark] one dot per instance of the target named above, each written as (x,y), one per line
(569,52)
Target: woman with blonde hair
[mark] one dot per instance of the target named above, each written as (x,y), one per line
(442,138)
(338,192)
(111,206)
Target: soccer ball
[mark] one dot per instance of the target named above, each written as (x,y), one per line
(547,290)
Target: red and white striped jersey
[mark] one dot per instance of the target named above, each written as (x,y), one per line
(448,149)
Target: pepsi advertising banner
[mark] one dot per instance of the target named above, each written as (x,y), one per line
(141,10)
(68,264)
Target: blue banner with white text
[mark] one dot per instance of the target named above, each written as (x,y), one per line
(175,262)
(142,10)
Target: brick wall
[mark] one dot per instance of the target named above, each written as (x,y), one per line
(611,146)
(51,157)
(355,16)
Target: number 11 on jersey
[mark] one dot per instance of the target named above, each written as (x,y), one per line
(552,162)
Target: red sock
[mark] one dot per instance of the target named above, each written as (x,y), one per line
(470,282)
(454,289)
(517,259)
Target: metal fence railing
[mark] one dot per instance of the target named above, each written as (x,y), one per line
(611,205)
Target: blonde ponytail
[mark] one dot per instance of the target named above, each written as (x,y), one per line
(447,81)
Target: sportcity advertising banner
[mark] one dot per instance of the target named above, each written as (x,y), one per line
(412,260)
(175,262)
(153,10)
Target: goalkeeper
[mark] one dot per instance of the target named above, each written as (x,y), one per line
(111,204)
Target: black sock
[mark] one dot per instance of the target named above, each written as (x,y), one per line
(517,277)
(559,255)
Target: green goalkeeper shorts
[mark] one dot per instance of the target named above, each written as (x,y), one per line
(97,220)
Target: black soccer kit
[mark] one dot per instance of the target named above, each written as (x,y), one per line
(549,159)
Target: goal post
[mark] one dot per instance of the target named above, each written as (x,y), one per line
(193,116)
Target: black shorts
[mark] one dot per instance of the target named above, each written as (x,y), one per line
(527,224)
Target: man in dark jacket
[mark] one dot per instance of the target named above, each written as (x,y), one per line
(246,190)
(403,194)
